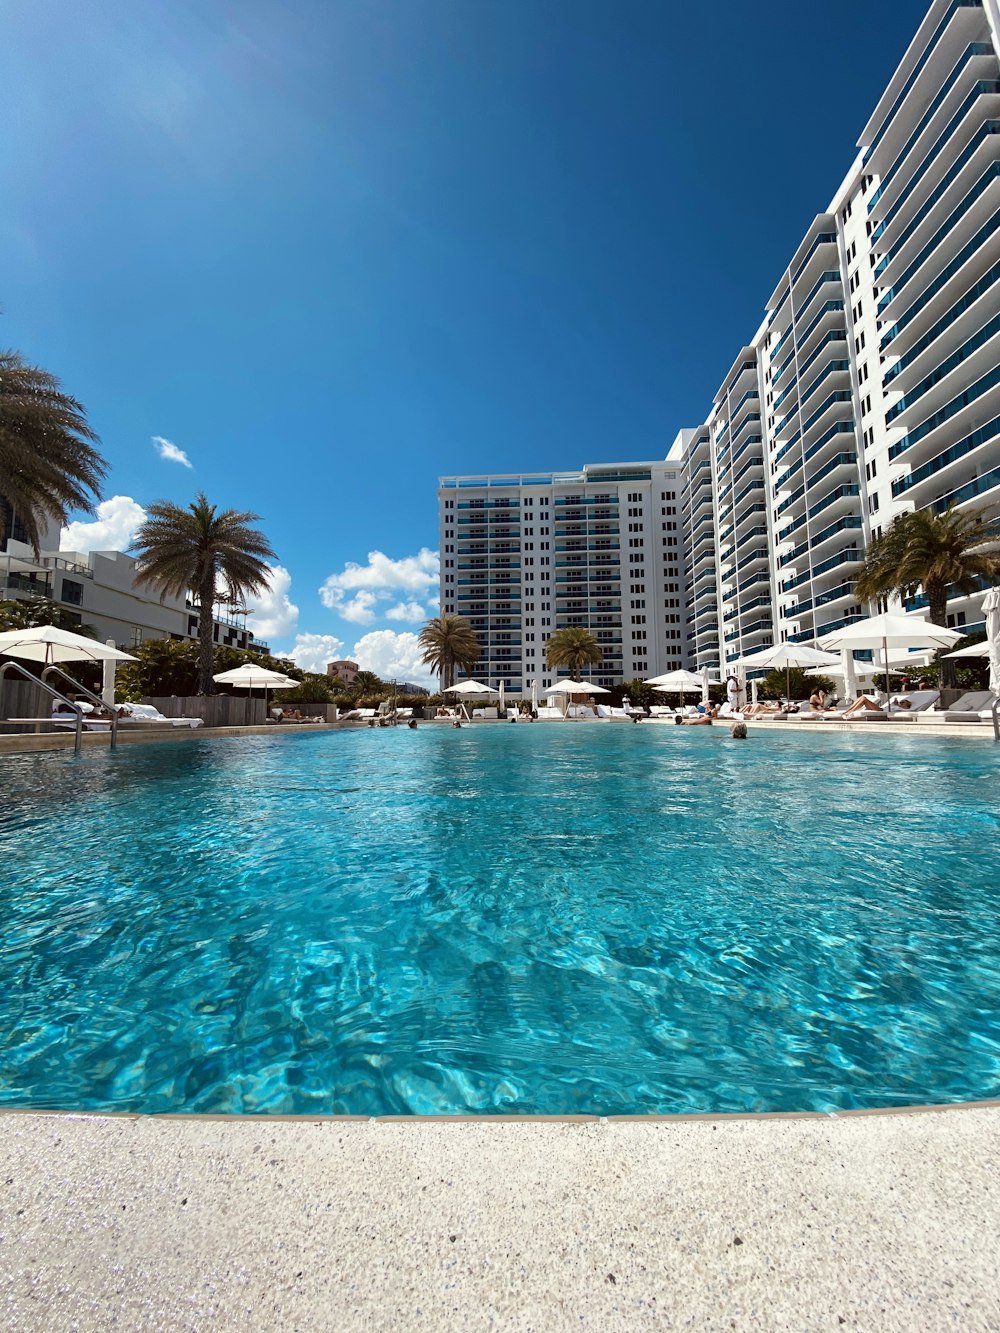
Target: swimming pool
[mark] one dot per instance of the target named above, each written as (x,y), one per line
(547,919)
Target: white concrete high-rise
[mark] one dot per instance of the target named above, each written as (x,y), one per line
(877,364)
(871,387)
(600,549)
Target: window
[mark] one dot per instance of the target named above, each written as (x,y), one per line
(72,592)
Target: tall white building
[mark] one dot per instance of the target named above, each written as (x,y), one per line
(600,549)
(877,364)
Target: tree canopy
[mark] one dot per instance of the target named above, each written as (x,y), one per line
(573,648)
(48,462)
(933,552)
(198,549)
(448,642)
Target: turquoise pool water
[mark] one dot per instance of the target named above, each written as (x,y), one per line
(501,919)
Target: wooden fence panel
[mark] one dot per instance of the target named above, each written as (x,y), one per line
(216,710)
(22,699)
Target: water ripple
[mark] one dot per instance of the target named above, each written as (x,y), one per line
(534,919)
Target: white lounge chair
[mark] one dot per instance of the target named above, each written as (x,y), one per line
(149,713)
(904,706)
(976,706)
(873,714)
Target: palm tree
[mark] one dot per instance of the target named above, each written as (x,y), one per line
(449,642)
(48,464)
(574,648)
(181,549)
(367,685)
(923,549)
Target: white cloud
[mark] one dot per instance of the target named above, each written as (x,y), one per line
(410,611)
(359,609)
(392,656)
(170,451)
(274,615)
(112,530)
(313,651)
(381,580)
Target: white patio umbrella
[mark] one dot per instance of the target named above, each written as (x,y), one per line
(252,677)
(850,675)
(568,689)
(786,655)
(704,685)
(991,609)
(679,681)
(571,687)
(45,643)
(980,649)
(500,700)
(49,645)
(472,689)
(534,695)
(892,629)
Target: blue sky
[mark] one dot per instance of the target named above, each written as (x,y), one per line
(328,252)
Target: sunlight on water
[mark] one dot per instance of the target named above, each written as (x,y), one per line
(544,918)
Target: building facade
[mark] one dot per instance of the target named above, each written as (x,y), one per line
(601,549)
(99,589)
(342,670)
(877,363)
(871,387)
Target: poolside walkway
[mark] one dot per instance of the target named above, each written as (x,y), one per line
(869,1222)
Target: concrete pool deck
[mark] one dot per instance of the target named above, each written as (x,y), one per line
(859,1222)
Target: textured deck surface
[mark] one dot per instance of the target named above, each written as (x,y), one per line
(876,1222)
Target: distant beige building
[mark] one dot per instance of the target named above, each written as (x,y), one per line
(345,671)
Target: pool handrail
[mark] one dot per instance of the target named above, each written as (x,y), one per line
(50,690)
(89,694)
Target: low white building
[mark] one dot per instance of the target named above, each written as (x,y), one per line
(99,589)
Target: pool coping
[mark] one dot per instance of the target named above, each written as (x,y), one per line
(471,1118)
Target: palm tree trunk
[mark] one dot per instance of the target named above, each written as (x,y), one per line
(937,605)
(206,627)
(447,672)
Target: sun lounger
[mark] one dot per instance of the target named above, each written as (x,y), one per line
(660,710)
(549,713)
(904,706)
(976,706)
(149,713)
(872,714)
